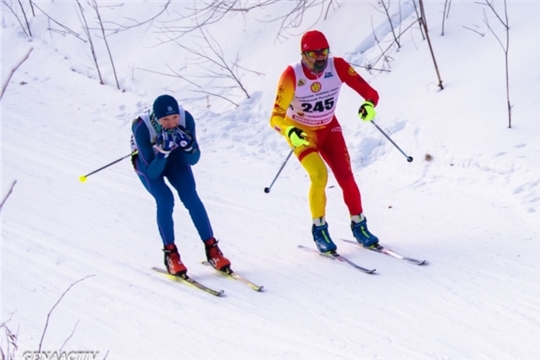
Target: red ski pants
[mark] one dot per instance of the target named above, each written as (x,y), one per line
(327,145)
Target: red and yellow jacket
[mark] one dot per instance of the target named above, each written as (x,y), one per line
(287,93)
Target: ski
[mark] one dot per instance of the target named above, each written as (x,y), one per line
(229,273)
(340,258)
(189,281)
(384,250)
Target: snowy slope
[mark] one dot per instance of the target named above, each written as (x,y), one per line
(472,211)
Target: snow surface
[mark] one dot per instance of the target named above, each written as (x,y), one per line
(472,211)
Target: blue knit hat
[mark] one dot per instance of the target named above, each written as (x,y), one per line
(165,105)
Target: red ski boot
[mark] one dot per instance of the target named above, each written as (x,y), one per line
(173,263)
(215,256)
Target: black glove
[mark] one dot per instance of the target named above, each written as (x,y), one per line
(183,139)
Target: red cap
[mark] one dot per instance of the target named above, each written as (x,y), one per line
(314,40)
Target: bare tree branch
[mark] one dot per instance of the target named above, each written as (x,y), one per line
(383,55)
(32,7)
(331,3)
(5,85)
(387,12)
(214,11)
(490,4)
(7,195)
(215,65)
(11,343)
(89,36)
(138,23)
(210,14)
(54,306)
(446,13)
(219,96)
(473,30)
(70,336)
(25,18)
(423,22)
(295,17)
(68,30)
(505,48)
(418,16)
(175,74)
(94,5)
(16,16)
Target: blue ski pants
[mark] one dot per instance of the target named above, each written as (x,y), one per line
(179,174)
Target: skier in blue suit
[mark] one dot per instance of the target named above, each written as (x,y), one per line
(167,147)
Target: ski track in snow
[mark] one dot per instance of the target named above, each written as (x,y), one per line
(472,212)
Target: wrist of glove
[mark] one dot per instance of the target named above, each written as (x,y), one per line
(297,136)
(164,145)
(367,111)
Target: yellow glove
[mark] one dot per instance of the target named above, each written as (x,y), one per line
(367,111)
(297,136)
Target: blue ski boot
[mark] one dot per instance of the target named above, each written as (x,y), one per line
(362,234)
(322,239)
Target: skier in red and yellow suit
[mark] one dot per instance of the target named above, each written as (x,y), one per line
(303,113)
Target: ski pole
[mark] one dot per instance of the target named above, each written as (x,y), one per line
(267,189)
(82,178)
(409,158)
